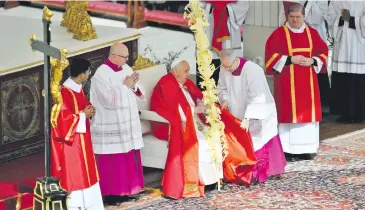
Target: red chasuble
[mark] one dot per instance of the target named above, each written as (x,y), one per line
(181,174)
(296,90)
(73,160)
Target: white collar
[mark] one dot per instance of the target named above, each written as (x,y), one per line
(296,30)
(69,83)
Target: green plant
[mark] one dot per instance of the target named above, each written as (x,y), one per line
(171,56)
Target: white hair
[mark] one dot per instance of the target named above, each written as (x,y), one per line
(227,53)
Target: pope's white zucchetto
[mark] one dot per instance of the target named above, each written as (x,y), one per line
(176,61)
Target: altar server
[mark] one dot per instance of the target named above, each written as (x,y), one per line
(347,18)
(73,160)
(116,130)
(225,19)
(243,89)
(295,54)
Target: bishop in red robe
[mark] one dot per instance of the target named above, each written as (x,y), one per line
(176,98)
(73,160)
(295,54)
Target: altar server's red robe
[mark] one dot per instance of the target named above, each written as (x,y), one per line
(73,160)
(181,174)
(296,89)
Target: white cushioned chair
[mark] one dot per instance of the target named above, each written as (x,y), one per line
(154,152)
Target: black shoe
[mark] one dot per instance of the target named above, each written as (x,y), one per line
(255,182)
(133,197)
(289,157)
(275,177)
(306,156)
(211,187)
(111,201)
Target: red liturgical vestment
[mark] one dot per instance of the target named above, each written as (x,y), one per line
(73,160)
(296,90)
(181,174)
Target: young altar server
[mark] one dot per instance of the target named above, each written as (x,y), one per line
(295,54)
(347,18)
(116,130)
(225,19)
(189,165)
(243,89)
(73,160)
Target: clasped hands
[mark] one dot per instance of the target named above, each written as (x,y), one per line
(131,81)
(302,60)
(89,111)
(345,14)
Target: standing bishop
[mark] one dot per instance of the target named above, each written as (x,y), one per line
(243,89)
(116,131)
(73,160)
(315,17)
(225,19)
(295,54)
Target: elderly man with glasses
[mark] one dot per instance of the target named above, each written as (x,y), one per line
(116,130)
(243,89)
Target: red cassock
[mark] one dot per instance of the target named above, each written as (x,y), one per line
(220,18)
(73,160)
(181,174)
(296,88)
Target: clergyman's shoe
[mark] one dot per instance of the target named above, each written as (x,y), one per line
(307,156)
(110,201)
(290,157)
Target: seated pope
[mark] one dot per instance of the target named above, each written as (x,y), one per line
(189,166)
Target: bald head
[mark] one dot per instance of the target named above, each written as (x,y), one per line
(118,54)
(181,71)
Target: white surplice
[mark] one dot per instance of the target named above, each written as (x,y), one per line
(116,127)
(209,173)
(249,97)
(237,14)
(349,46)
(299,138)
(89,198)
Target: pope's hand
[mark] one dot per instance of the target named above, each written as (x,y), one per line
(225,104)
(200,109)
(130,81)
(244,124)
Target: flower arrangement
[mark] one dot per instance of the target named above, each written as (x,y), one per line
(153,58)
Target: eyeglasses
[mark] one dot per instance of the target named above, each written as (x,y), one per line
(125,57)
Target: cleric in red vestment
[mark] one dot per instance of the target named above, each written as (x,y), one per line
(73,160)
(295,54)
(189,166)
